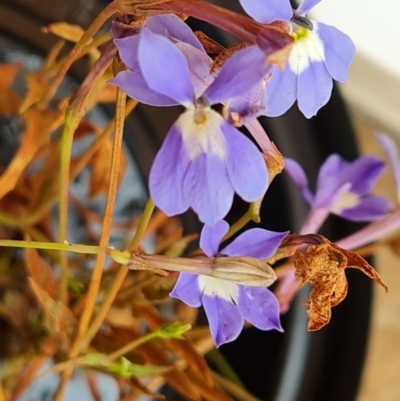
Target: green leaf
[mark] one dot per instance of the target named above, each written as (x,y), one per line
(173,330)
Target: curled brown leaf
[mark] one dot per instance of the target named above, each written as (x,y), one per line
(323,266)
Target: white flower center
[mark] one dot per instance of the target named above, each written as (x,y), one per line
(201,132)
(347,200)
(214,287)
(307,48)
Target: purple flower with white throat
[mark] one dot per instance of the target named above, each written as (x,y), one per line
(320,52)
(343,188)
(226,303)
(204,160)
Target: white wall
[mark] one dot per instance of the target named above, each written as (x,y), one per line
(373,25)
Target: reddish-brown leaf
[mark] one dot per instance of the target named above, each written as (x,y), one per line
(206,390)
(41,272)
(65,31)
(323,266)
(8,72)
(37,88)
(59,319)
(101,165)
(9,102)
(39,125)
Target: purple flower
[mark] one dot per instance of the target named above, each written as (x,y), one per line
(203,160)
(133,82)
(343,187)
(228,304)
(320,52)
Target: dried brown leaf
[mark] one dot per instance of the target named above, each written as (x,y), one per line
(73,33)
(175,378)
(8,72)
(39,125)
(121,317)
(41,272)
(210,45)
(207,391)
(37,88)
(9,102)
(59,319)
(323,266)
(101,166)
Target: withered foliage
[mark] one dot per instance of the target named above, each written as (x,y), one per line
(323,266)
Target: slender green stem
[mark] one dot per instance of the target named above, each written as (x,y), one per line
(238,225)
(74,115)
(54,246)
(143,223)
(131,346)
(71,123)
(222,365)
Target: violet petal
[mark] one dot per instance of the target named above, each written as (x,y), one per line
(167,175)
(314,88)
(170,25)
(256,242)
(306,6)
(187,290)
(200,64)
(246,167)
(363,173)
(298,175)
(260,307)
(225,319)
(248,106)
(164,68)
(280,91)
(211,236)
(339,51)
(207,188)
(330,192)
(369,208)
(134,85)
(128,51)
(241,72)
(267,11)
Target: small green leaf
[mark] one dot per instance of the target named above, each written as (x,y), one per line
(127,369)
(173,330)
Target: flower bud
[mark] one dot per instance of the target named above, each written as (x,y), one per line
(244,270)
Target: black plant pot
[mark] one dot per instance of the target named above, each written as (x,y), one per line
(296,365)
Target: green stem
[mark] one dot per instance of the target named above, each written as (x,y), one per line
(71,123)
(142,226)
(224,368)
(54,246)
(131,346)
